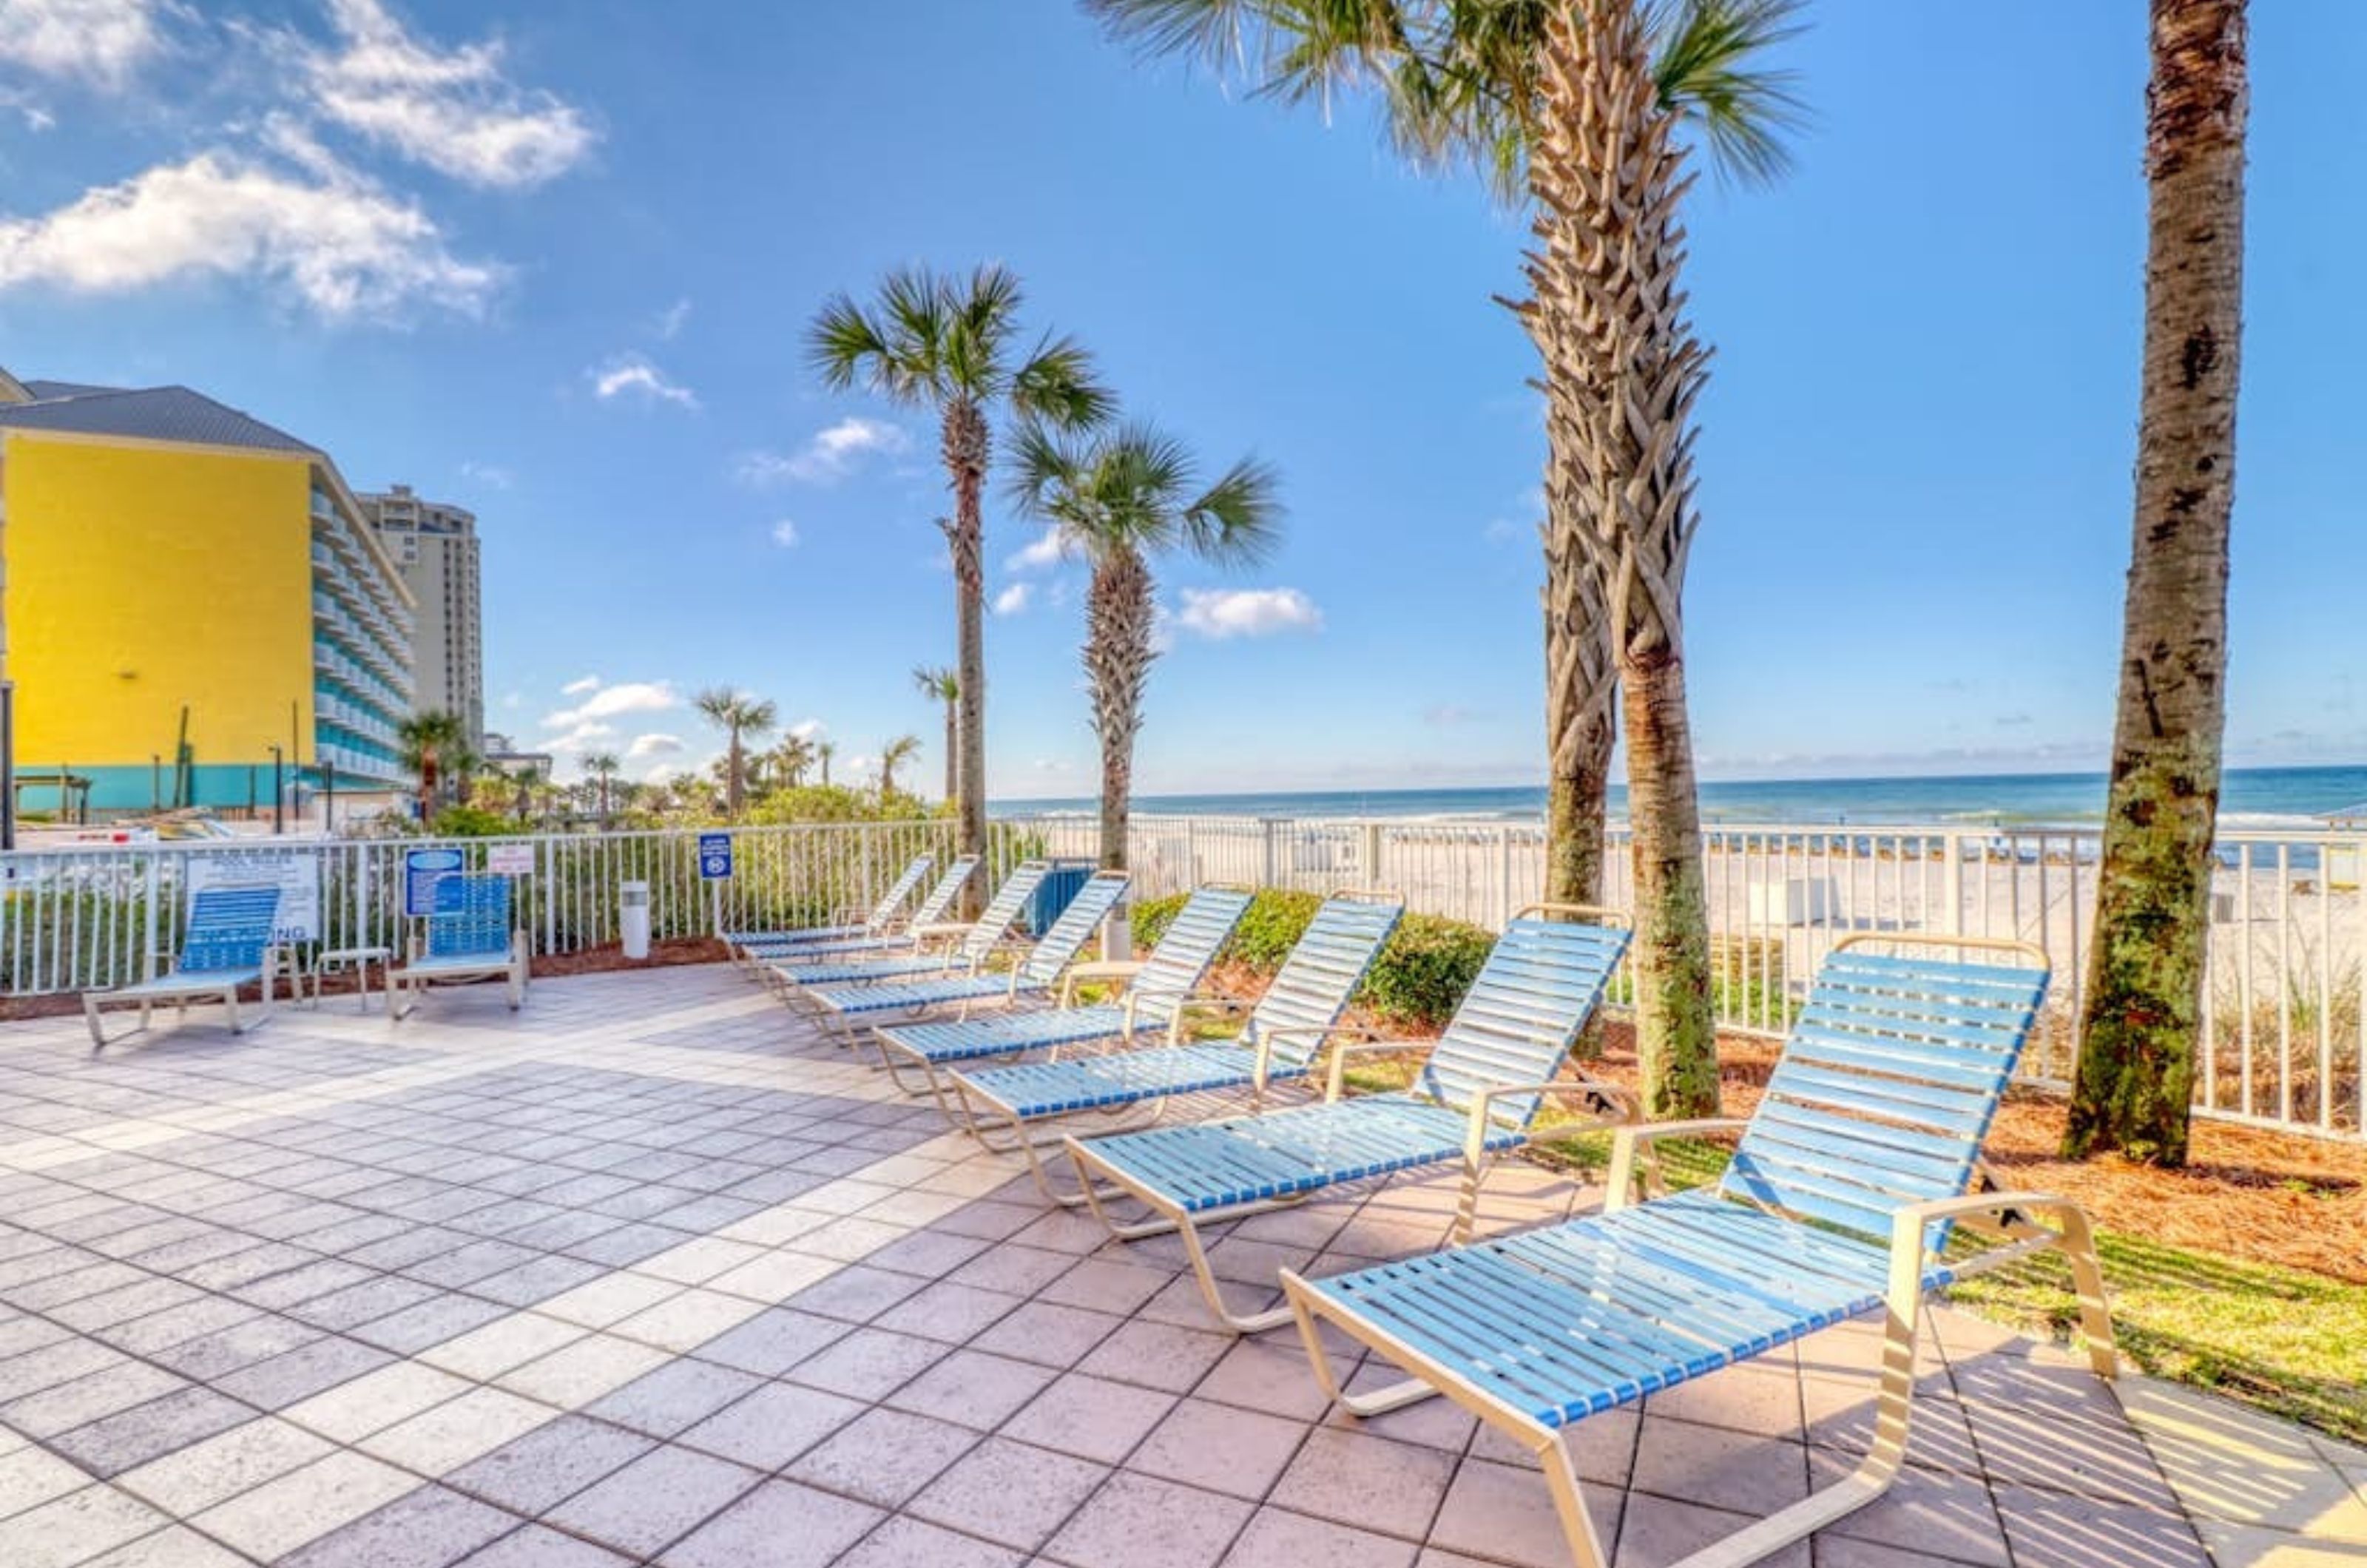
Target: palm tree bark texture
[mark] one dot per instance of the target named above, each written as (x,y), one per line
(2148,964)
(1608,257)
(1120,614)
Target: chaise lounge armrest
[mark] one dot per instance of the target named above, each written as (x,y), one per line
(1619,1186)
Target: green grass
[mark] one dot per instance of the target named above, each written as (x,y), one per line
(2288,1342)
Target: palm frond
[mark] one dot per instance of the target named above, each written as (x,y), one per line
(1237,521)
(1046,467)
(844,342)
(1216,32)
(1058,386)
(1703,64)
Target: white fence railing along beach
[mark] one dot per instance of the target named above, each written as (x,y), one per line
(2284,1029)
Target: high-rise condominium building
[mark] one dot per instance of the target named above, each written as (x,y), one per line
(190,591)
(436,545)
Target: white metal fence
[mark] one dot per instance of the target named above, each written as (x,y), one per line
(2286,1031)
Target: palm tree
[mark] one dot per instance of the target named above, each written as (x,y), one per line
(2146,968)
(825,750)
(951,344)
(1118,498)
(892,756)
(741,716)
(1577,105)
(603,767)
(945,686)
(791,756)
(432,743)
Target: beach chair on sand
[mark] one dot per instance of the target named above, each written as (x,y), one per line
(1036,976)
(1283,1039)
(227,944)
(1157,991)
(1474,1098)
(979,941)
(1839,1200)
(843,924)
(469,936)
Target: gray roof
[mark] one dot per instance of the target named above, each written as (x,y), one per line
(48,390)
(152,414)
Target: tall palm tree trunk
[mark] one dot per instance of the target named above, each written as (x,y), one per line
(952,742)
(965,447)
(1581,689)
(1119,616)
(2148,964)
(734,773)
(1624,371)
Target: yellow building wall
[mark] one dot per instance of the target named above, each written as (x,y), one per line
(143,578)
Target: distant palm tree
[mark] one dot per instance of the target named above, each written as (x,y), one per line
(894,755)
(603,767)
(951,344)
(432,743)
(945,686)
(1117,499)
(792,755)
(825,750)
(741,716)
(2149,966)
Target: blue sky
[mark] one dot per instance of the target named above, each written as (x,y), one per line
(554,260)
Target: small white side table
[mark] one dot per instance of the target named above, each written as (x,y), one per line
(358,959)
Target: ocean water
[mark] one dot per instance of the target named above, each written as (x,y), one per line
(2268,798)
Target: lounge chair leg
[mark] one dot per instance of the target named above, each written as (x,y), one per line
(1380,1401)
(230,1005)
(90,1016)
(1570,1504)
(1214,1294)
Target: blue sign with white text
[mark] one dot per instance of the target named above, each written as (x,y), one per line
(715,857)
(422,870)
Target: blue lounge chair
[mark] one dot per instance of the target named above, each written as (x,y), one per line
(843,923)
(926,927)
(980,940)
(1473,1100)
(1839,1200)
(1155,992)
(227,945)
(1282,1040)
(469,936)
(1036,976)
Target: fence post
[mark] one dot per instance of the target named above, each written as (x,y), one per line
(147,970)
(549,896)
(1271,861)
(1952,858)
(1505,877)
(1372,876)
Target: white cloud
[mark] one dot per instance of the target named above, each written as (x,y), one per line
(329,236)
(1014,598)
(577,687)
(785,534)
(455,110)
(807,729)
(828,456)
(102,42)
(652,745)
(578,739)
(612,702)
(670,320)
(1247,612)
(631,374)
(493,476)
(1048,550)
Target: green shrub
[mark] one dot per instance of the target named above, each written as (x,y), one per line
(1416,983)
(471,822)
(1422,976)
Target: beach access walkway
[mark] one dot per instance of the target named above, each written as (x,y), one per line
(650,1273)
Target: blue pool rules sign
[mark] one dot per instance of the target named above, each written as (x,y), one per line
(715,857)
(422,870)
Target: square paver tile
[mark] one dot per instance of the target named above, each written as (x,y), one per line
(772,1426)
(305,1504)
(439,1440)
(550,1464)
(432,1528)
(1008,1492)
(77,1527)
(884,1456)
(973,1388)
(781,1525)
(1091,1417)
(1139,1521)
(1276,1538)
(1220,1448)
(906,1543)
(654,1501)
(130,1438)
(220,1467)
(1366,1481)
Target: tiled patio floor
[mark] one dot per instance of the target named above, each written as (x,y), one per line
(646,1274)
